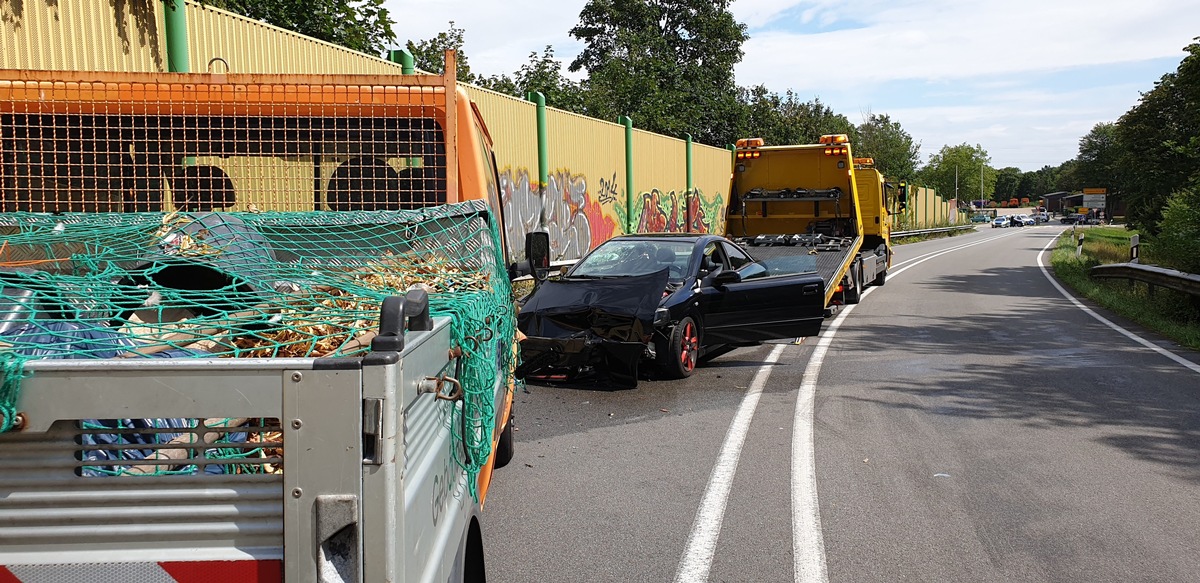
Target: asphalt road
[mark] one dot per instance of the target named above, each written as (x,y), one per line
(966,422)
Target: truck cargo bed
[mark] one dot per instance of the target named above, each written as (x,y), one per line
(829,256)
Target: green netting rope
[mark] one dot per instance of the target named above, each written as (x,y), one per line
(248,285)
(12,367)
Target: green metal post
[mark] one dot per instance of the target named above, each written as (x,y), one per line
(542,140)
(628,123)
(405,58)
(691,191)
(175,12)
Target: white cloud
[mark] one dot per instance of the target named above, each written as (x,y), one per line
(976,57)
(923,40)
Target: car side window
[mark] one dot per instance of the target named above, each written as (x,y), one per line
(737,258)
(712,260)
(742,263)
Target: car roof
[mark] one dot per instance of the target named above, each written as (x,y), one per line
(682,237)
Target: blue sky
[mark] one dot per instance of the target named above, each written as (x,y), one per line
(1024,79)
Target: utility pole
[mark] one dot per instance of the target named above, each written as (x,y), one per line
(956,182)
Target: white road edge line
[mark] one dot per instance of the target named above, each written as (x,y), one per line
(1078,304)
(808,542)
(702,543)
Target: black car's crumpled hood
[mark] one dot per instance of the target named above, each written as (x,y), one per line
(619,309)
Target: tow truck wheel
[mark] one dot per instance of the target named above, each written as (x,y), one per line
(852,293)
(677,357)
(880,279)
(504,448)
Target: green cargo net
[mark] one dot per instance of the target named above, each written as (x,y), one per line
(254,285)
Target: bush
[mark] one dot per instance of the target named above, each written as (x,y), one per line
(1177,244)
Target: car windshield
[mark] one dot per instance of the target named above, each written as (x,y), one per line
(623,257)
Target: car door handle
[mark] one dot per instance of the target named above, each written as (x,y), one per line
(810,289)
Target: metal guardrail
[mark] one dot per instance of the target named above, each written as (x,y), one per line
(899,234)
(1151,275)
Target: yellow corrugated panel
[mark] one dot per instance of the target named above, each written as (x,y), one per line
(82,35)
(250,46)
(659,182)
(512,123)
(584,203)
(711,174)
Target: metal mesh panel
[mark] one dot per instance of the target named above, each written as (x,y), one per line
(147,145)
(147,447)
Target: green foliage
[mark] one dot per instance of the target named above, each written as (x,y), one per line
(784,119)
(1097,161)
(1068,178)
(1008,182)
(894,151)
(668,64)
(965,161)
(360,25)
(430,55)
(1172,314)
(1177,243)
(541,74)
(1159,148)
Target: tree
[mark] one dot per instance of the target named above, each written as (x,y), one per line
(1045,181)
(1159,143)
(666,63)
(543,74)
(360,25)
(430,55)
(1179,230)
(1098,157)
(894,151)
(965,160)
(1069,177)
(1008,183)
(787,120)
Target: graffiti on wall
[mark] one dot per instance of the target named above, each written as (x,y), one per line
(566,210)
(578,219)
(657,212)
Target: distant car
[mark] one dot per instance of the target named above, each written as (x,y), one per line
(1000,222)
(1042,217)
(979,219)
(671,299)
(1023,220)
(1079,219)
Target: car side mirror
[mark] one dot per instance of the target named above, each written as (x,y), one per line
(726,277)
(537,250)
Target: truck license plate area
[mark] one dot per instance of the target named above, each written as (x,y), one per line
(177,446)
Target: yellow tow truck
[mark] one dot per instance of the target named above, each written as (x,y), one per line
(812,207)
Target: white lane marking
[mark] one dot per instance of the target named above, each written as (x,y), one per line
(706,527)
(955,248)
(1078,304)
(808,542)
(702,543)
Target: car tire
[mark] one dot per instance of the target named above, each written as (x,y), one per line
(853,294)
(680,353)
(504,447)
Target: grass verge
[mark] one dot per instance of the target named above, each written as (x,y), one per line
(1170,313)
(930,236)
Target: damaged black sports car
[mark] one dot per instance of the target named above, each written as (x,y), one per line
(670,299)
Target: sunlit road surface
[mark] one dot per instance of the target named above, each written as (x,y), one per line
(967,423)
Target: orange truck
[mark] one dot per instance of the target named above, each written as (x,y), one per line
(366,456)
(812,207)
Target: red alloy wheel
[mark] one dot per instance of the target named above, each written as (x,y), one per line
(689,346)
